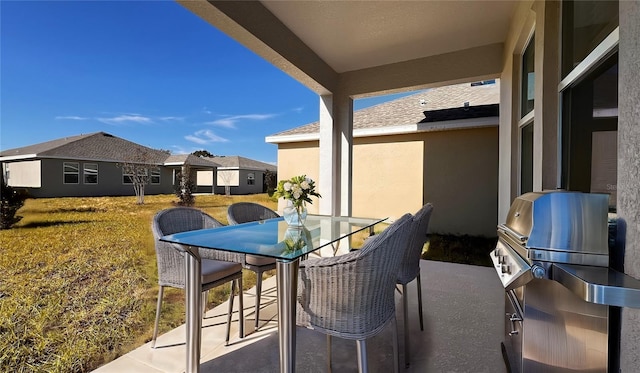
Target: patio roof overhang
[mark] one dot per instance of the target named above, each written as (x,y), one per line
(345,50)
(331,45)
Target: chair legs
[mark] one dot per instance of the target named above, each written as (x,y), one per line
(419,285)
(396,357)
(240,308)
(236,283)
(328,353)
(405,314)
(205,298)
(361,346)
(158,307)
(258,294)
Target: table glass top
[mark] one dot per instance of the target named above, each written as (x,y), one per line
(273,237)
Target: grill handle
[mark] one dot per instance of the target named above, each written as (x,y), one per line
(505,229)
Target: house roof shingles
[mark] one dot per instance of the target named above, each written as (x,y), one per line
(242,163)
(99,146)
(411,109)
(191,159)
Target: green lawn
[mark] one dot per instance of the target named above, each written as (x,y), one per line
(78,280)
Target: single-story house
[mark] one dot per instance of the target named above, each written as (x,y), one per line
(241,175)
(438,146)
(89,165)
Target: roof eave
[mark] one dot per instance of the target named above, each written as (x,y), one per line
(396,130)
(17,157)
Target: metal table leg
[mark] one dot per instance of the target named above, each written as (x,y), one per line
(287,285)
(193,286)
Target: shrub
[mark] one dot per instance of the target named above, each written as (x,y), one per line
(12,201)
(463,249)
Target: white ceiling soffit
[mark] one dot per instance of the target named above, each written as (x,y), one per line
(353,35)
(322,39)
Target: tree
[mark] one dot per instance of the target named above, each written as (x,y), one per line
(138,170)
(270,181)
(12,201)
(203,154)
(185,188)
(226,177)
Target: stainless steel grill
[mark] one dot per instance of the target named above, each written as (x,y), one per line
(552,258)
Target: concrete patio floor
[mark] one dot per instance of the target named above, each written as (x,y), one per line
(463,322)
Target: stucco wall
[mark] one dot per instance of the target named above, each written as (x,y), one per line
(387,176)
(461,180)
(299,159)
(629,171)
(457,171)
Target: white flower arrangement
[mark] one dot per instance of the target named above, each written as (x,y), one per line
(298,190)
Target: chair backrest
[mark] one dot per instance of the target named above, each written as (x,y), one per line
(243,212)
(171,266)
(354,298)
(410,266)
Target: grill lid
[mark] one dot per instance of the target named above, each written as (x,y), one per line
(561,221)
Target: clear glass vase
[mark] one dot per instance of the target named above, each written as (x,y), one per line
(295,215)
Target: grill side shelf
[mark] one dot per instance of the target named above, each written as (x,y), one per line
(598,285)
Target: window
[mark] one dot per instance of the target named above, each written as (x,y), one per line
(528,79)
(251,178)
(127,175)
(525,124)
(585,24)
(90,173)
(71,172)
(589,132)
(526,160)
(155,176)
(589,94)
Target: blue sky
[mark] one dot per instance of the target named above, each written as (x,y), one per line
(151,72)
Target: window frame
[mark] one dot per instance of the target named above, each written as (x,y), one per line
(529,43)
(65,172)
(525,119)
(85,173)
(598,56)
(154,173)
(521,158)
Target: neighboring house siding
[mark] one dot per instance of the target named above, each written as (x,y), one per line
(109,181)
(455,170)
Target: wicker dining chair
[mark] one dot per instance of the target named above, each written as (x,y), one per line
(171,261)
(410,269)
(351,296)
(244,212)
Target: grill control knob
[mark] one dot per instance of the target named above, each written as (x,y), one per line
(506,269)
(538,271)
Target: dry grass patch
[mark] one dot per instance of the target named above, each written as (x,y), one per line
(78,280)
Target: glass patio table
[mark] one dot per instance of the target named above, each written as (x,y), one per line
(271,238)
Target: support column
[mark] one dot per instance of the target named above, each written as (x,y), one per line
(336,142)
(629,172)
